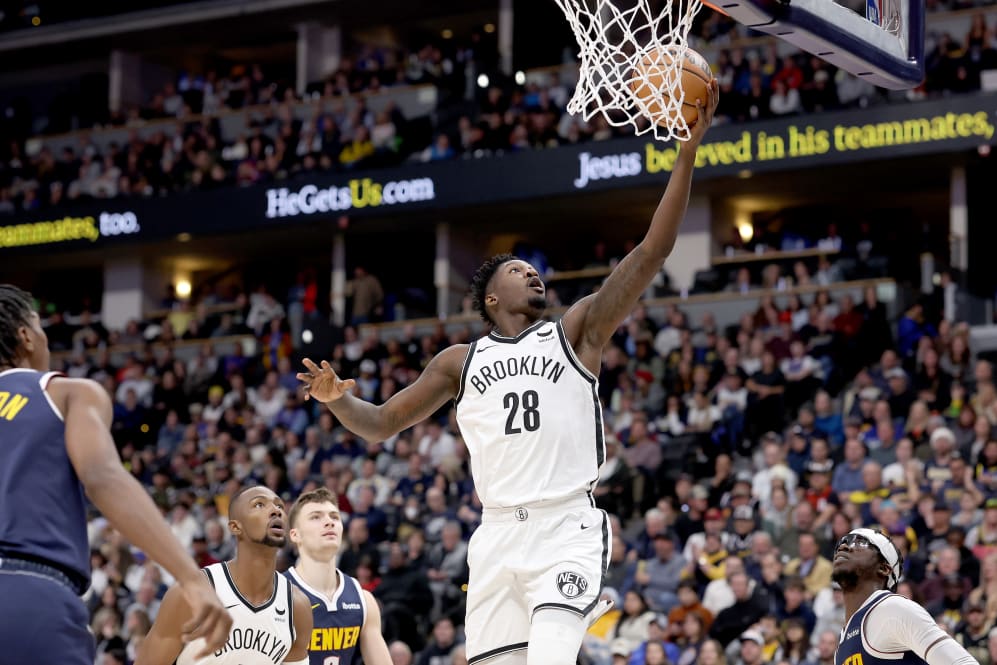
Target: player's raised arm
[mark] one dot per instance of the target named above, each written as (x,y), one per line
(373,648)
(435,386)
(597,316)
(302,629)
(121,499)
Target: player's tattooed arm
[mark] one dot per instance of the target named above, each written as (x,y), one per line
(436,385)
(594,319)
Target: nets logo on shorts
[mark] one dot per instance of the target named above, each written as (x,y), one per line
(571,585)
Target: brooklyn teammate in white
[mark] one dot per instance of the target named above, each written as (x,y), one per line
(528,408)
(272,620)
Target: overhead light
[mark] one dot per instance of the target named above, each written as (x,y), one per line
(36,21)
(483,81)
(489,28)
(520,77)
(744,173)
(447,33)
(184,237)
(307,336)
(183,288)
(746,230)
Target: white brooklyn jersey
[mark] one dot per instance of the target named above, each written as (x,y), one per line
(530,416)
(261,635)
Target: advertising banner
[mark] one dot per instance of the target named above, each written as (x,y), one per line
(884,132)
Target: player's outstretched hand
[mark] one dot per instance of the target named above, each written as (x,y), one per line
(208,618)
(706,108)
(322,383)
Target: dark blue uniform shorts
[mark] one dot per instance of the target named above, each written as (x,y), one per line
(42,621)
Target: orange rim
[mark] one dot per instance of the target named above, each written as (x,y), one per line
(715,8)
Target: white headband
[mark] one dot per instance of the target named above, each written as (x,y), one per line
(886,548)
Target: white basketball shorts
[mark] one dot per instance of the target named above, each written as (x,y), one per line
(545,555)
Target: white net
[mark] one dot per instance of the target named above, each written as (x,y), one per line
(631,54)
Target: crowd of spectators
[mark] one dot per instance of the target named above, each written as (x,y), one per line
(736,457)
(756,83)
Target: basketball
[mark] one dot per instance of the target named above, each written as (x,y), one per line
(650,83)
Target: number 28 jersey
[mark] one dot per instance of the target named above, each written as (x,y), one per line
(530,416)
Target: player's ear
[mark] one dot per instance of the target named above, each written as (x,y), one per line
(294,536)
(235,527)
(24,335)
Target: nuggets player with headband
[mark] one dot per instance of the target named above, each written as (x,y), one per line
(55,443)
(346,619)
(271,619)
(881,627)
(528,409)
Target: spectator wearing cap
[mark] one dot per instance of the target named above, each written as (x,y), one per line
(658,577)
(709,565)
(798,450)
(744,525)
(982,538)
(818,493)
(714,522)
(974,632)
(899,394)
(750,651)
(848,474)
(936,469)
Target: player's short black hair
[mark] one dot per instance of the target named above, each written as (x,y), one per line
(16,306)
(479,283)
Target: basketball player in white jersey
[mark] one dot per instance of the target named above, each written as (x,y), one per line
(345,617)
(528,408)
(271,620)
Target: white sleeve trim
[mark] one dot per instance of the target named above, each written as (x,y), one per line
(43,383)
(895,625)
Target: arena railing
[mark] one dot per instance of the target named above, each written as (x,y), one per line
(726,306)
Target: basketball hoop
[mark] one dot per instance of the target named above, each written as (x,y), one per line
(614,38)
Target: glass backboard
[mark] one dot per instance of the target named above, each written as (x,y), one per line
(884,45)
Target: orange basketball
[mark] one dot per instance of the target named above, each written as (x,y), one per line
(649,82)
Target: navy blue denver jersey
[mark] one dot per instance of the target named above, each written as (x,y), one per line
(337,621)
(852,649)
(42,506)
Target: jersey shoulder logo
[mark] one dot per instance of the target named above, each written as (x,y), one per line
(571,584)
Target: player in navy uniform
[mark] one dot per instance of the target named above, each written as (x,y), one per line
(55,444)
(271,619)
(882,628)
(346,618)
